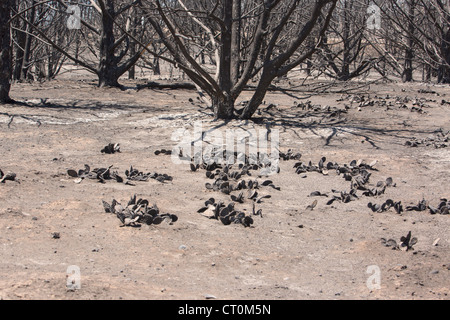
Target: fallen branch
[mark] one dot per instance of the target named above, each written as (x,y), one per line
(172,86)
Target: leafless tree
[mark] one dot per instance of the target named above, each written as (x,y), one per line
(345,53)
(433,35)
(5,51)
(106,46)
(416,33)
(34,59)
(248,38)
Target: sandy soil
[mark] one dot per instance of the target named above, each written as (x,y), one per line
(288,253)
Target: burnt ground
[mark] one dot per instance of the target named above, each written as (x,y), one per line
(288,253)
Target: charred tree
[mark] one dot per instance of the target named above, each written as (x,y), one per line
(112,48)
(409,50)
(5,51)
(343,50)
(247,38)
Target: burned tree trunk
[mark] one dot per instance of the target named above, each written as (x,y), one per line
(19,53)
(132,71)
(112,63)
(223,107)
(107,68)
(346,59)
(222,103)
(258,96)
(5,51)
(409,51)
(27,48)
(444,69)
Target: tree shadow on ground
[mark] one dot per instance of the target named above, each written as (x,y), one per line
(33,112)
(314,121)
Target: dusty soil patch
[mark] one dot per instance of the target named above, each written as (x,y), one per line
(289,253)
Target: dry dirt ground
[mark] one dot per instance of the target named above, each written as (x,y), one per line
(330,252)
